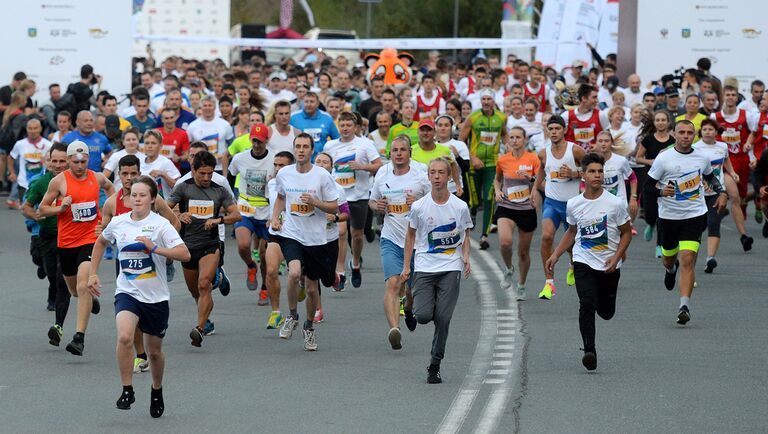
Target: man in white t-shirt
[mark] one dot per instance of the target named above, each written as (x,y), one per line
(275,89)
(438,232)
(394,190)
(30,152)
(355,161)
(633,94)
(305,193)
(599,232)
(680,171)
(214,131)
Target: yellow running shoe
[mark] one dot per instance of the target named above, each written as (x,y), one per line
(402,306)
(570,278)
(140,365)
(548,292)
(275,320)
(302,289)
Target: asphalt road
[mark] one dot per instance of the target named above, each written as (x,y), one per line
(509,367)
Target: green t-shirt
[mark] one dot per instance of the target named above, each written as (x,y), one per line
(240,144)
(412,131)
(34,196)
(424,157)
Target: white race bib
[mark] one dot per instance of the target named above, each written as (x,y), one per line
(488,138)
(84,211)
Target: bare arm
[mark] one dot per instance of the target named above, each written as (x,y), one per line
(565,243)
(166,212)
(410,237)
(465,250)
(640,157)
(105,184)
(46,207)
(626,238)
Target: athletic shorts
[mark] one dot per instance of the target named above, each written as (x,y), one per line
(313,258)
(392,260)
(555,211)
(358,213)
(71,258)
(198,254)
(525,219)
(331,254)
(256,227)
(153,317)
(676,235)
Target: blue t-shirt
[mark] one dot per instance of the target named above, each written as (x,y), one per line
(320,127)
(98,145)
(185,118)
(148,124)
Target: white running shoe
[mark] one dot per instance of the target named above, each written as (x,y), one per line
(309,340)
(286,331)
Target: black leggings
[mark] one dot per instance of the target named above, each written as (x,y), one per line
(713,217)
(597,293)
(650,208)
(55,277)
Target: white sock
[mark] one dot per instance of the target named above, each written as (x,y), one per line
(685,301)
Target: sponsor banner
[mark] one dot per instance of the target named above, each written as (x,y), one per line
(608,37)
(572,23)
(728,32)
(50,40)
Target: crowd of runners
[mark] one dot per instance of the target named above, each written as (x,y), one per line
(306,165)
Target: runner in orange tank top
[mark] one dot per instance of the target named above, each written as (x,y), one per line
(76,196)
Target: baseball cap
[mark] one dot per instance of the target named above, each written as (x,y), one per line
(112,123)
(427,122)
(259,131)
(280,75)
(672,92)
(77,147)
(486,92)
(577,64)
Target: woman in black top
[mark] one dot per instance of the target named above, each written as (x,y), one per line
(656,137)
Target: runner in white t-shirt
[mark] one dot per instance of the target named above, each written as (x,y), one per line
(130,142)
(616,172)
(158,167)
(394,190)
(214,131)
(30,153)
(144,241)
(680,171)
(305,193)
(438,234)
(599,234)
(444,129)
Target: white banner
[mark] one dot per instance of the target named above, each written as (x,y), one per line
(580,23)
(51,39)
(549,28)
(608,38)
(358,44)
(183,18)
(729,32)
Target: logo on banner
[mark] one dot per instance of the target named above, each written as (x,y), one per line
(56,60)
(32,32)
(751,33)
(686,33)
(664,32)
(97,33)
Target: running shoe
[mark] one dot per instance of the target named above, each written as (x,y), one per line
(342,282)
(54,335)
(547,292)
(484,243)
(746,242)
(357,276)
(275,320)
(255,255)
(125,400)
(683,315)
(433,374)
(589,360)
(108,254)
(394,337)
(209,329)
(758,216)
(290,324)
(76,347)
(263,298)
(302,289)
(648,233)
(493,229)
(634,231)
(281,268)
(138,363)
(658,251)
(506,281)
(370,234)
(670,276)
(12,204)
(310,344)
(250,278)
(765,229)
(520,292)
(224,285)
(318,316)
(410,320)
(50,306)
(711,265)
(197,337)
(170,272)
(95,306)
(156,404)
(402,306)
(570,278)
(41,272)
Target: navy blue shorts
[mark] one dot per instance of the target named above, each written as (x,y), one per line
(257,227)
(153,317)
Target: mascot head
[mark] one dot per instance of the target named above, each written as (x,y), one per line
(393,67)
(567,97)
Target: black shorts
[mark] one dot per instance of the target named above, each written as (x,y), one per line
(71,258)
(153,317)
(679,234)
(331,254)
(358,213)
(313,258)
(198,254)
(525,219)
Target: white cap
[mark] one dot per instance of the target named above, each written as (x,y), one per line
(486,91)
(77,147)
(280,75)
